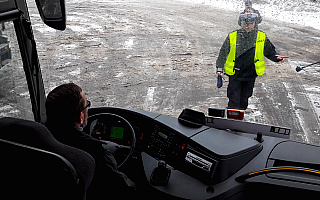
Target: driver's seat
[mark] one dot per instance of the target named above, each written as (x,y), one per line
(34,165)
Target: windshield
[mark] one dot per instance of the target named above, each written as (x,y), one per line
(14,94)
(161,56)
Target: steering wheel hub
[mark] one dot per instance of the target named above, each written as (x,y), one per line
(114,132)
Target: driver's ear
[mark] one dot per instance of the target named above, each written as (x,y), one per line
(81,118)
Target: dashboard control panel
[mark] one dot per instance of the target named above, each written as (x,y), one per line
(165,145)
(175,150)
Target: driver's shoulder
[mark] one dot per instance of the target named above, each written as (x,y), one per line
(87,140)
(79,139)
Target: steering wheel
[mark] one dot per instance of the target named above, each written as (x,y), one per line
(112,129)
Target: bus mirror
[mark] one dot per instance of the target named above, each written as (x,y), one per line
(53,13)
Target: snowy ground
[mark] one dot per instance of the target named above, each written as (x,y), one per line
(160,56)
(301,12)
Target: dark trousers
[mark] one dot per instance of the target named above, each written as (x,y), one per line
(239,92)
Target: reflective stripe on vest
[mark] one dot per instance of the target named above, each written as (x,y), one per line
(229,66)
(258,57)
(259,53)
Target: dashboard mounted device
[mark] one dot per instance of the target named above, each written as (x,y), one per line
(216,112)
(235,114)
(192,118)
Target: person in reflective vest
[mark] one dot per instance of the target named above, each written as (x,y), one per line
(241,57)
(248,9)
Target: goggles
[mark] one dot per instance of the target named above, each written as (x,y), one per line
(248,18)
(247,2)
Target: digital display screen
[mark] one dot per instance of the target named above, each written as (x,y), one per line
(234,113)
(117,132)
(163,135)
(98,133)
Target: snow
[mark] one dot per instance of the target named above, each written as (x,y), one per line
(314,98)
(128,44)
(301,12)
(304,14)
(79,29)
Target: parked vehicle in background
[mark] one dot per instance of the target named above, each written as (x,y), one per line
(5,52)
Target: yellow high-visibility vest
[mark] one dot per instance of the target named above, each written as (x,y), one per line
(258,56)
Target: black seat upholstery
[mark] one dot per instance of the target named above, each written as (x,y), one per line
(34,165)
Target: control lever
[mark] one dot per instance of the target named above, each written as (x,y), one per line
(259,137)
(161,174)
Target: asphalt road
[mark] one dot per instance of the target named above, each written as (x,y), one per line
(160,56)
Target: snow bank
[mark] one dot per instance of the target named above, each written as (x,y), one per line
(301,12)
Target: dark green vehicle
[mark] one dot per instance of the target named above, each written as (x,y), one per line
(193,156)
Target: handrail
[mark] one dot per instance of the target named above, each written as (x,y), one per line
(10,15)
(243,177)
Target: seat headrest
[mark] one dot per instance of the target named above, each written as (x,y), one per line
(37,135)
(31,173)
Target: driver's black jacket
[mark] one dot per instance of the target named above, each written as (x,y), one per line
(108,182)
